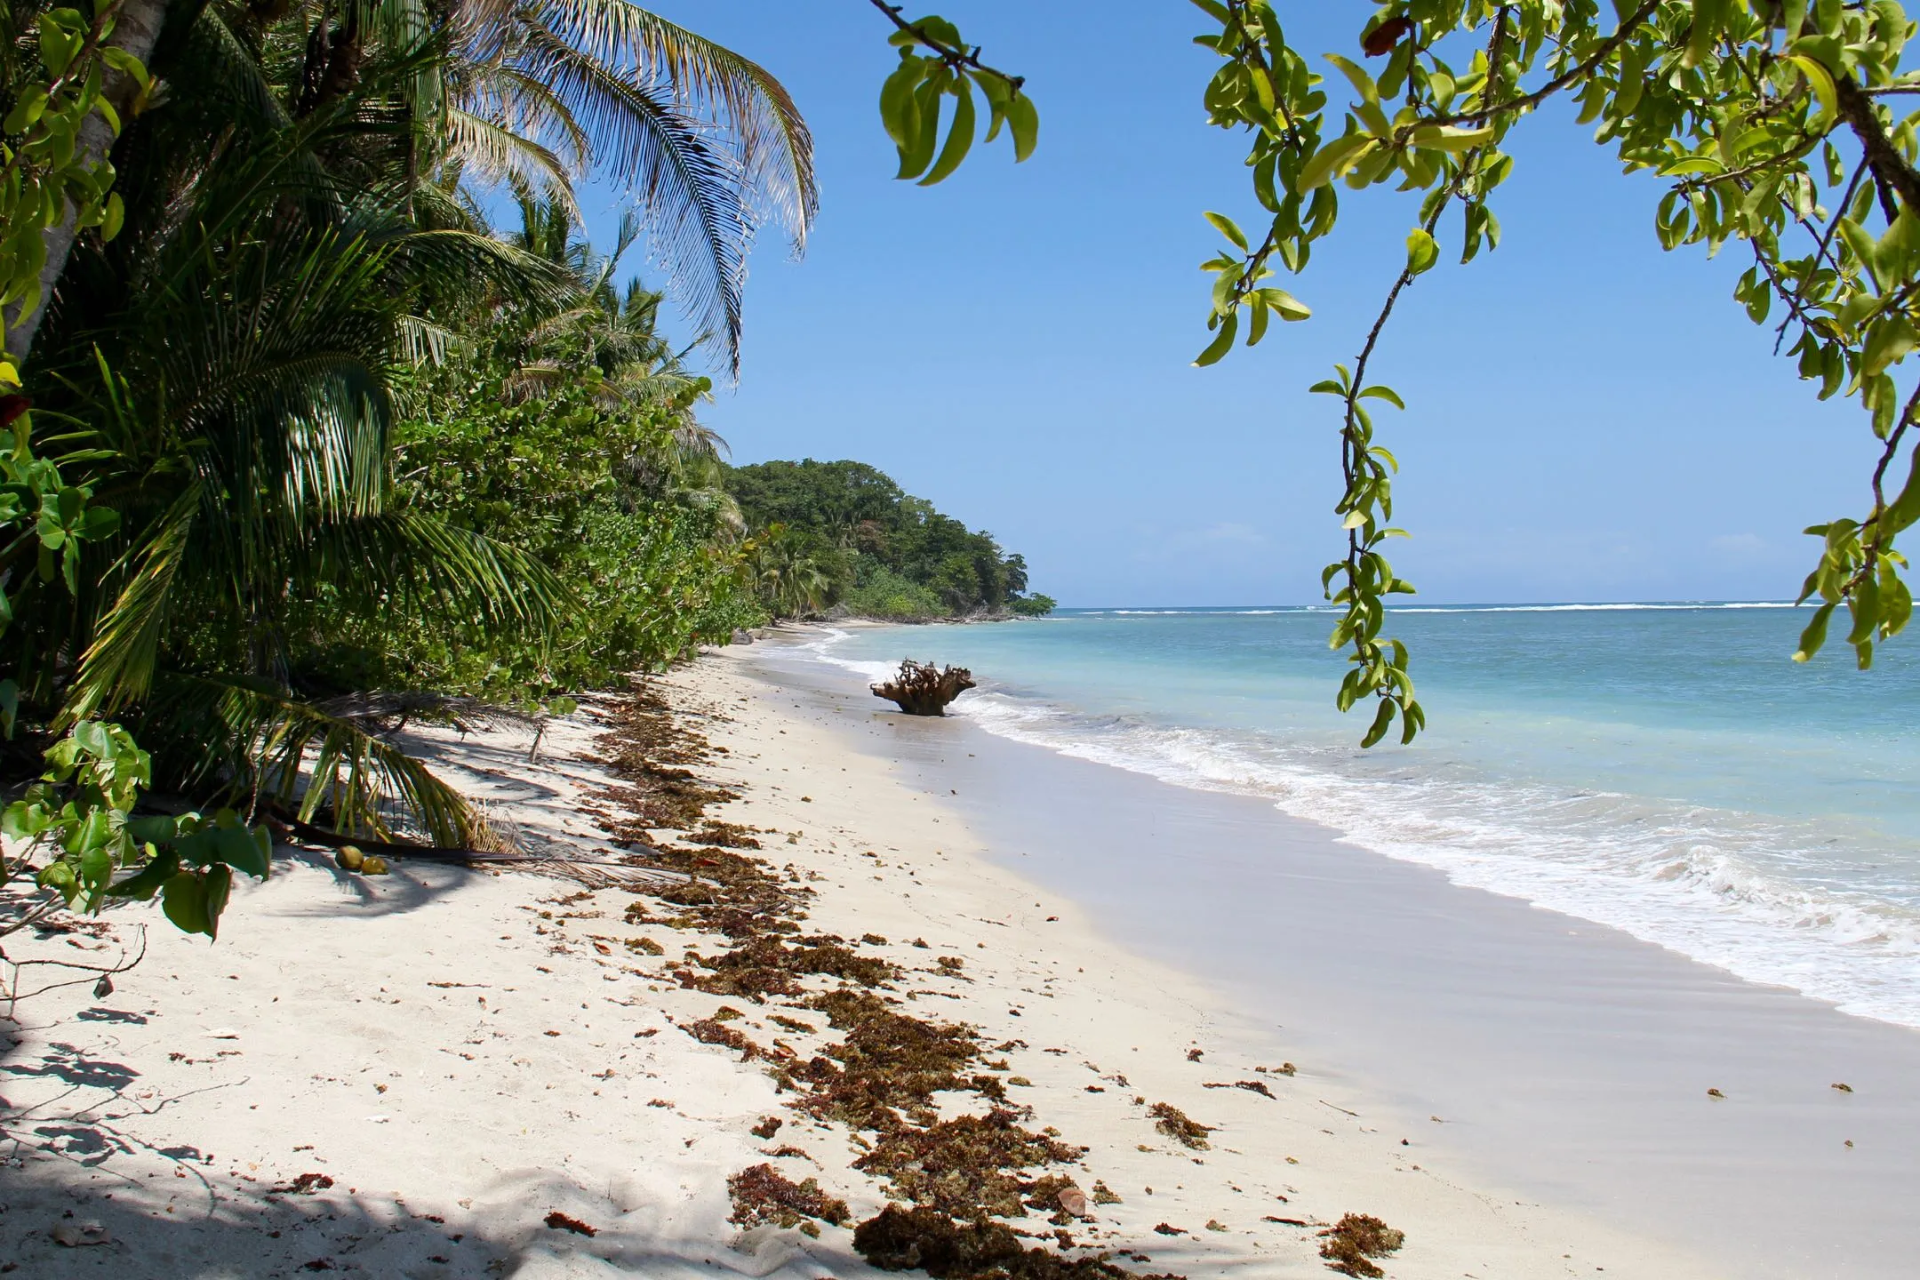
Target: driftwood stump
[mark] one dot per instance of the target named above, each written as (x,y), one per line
(922,689)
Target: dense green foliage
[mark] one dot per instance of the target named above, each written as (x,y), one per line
(843,533)
(347,434)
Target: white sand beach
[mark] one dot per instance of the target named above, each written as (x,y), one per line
(407,1075)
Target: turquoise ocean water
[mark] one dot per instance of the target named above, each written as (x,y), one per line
(1664,769)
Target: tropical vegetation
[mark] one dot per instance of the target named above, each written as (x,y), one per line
(322,403)
(843,536)
(296,420)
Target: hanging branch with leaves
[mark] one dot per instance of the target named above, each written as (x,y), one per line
(1770,120)
(935,63)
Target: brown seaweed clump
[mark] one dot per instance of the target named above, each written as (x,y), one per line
(1351,1243)
(962,1166)
(762,1194)
(927,1240)
(1174,1122)
(760,967)
(725,835)
(888,1064)
(714,1031)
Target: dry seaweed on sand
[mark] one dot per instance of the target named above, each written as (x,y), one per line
(880,1078)
(1175,1123)
(1251,1086)
(927,1240)
(760,967)
(713,1031)
(1351,1243)
(888,1064)
(964,1166)
(761,1194)
(726,835)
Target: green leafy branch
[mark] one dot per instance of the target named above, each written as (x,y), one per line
(1747,109)
(910,99)
(44,180)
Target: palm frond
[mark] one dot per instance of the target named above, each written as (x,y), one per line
(499,154)
(690,189)
(772,140)
(264,746)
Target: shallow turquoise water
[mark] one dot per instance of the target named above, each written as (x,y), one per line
(1662,769)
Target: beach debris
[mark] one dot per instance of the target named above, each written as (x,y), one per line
(80,1235)
(1287,1222)
(304,1185)
(1166,1229)
(762,1194)
(1715,1093)
(926,1240)
(1849,1142)
(558,1221)
(1103,1194)
(349,857)
(952,964)
(768,1126)
(317,1264)
(873,939)
(1175,1123)
(921,689)
(1251,1086)
(1194,1055)
(374,866)
(1073,1200)
(1843,1088)
(761,967)
(1214,1224)
(966,1165)
(708,1031)
(1351,1243)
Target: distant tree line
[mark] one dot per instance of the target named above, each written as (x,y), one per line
(830,535)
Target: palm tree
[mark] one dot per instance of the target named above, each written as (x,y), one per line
(707,143)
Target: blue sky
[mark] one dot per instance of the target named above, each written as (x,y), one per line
(1589,418)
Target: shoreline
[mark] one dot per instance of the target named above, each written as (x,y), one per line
(1567,1059)
(459,1054)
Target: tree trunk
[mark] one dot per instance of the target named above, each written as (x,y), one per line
(136,28)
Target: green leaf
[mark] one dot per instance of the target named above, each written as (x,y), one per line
(1023,119)
(1388,394)
(1422,252)
(1815,634)
(1691,165)
(1222,342)
(1382,721)
(1361,81)
(1820,80)
(1447,138)
(959,136)
(57,44)
(1225,226)
(897,111)
(184,899)
(149,880)
(1332,160)
(915,158)
(1288,307)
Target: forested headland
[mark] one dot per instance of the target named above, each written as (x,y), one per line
(843,537)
